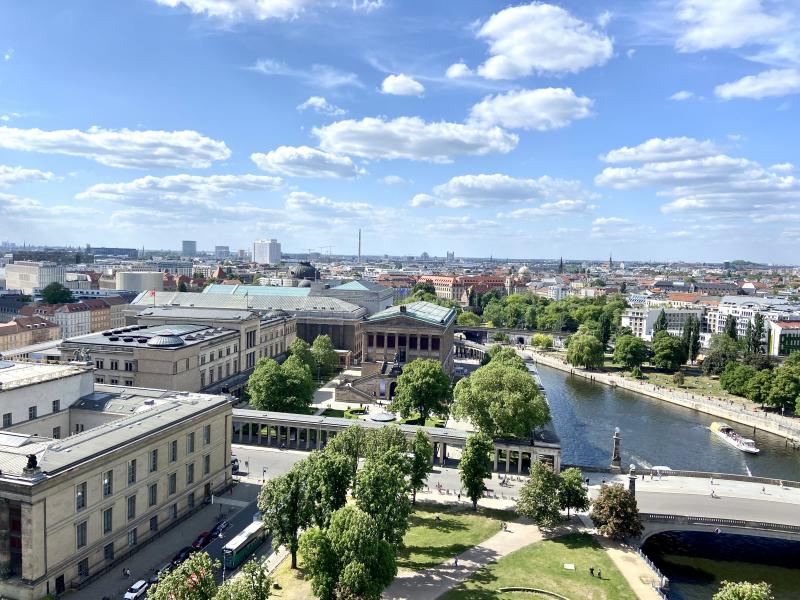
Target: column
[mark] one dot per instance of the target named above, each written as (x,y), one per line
(496,454)
(519,463)
(434,452)
(260,427)
(269,433)
(5,539)
(443,457)
(508,460)
(308,436)
(319,438)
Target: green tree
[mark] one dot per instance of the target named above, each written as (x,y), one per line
(325,356)
(55,293)
(538,499)
(731,328)
(571,493)
(691,337)
(615,513)
(349,559)
(623,287)
(735,377)
(514,314)
(494,313)
(784,392)
(529,320)
(351,443)
(423,287)
(302,350)
(421,464)
(468,319)
(327,478)
(382,492)
(193,579)
(758,388)
(424,388)
(543,341)
(755,333)
(585,351)
(661,323)
(251,583)
(630,351)
(721,350)
(668,352)
(475,466)
(501,401)
(499,336)
(283,502)
(605,329)
(285,388)
(384,439)
(499,355)
(744,590)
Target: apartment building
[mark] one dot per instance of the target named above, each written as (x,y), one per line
(74,508)
(73,318)
(26,331)
(784,338)
(641,320)
(30,277)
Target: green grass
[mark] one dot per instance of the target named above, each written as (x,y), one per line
(342,413)
(541,565)
(430,542)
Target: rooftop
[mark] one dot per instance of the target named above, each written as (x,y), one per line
(18,374)
(255,290)
(361,286)
(196,312)
(426,312)
(163,337)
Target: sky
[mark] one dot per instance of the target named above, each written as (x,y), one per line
(653,130)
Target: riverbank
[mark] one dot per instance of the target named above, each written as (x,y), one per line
(771,423)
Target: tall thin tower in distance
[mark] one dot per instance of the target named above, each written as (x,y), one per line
(359,245)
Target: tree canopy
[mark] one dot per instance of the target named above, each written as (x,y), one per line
(571,493)
(615,513)
(421,464)
(424,388)
(55,293)
(285,388)
(283,502)
(585,350)
(744,590)
(325,357)
(251,583)
(193,579)
(722,349)
(538,499)
(630,351)
(668,352)
(302,350)
(475,466)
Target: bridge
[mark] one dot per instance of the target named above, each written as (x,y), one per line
(483,335)
(657,523)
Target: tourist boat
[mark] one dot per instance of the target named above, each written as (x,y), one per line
(727,433)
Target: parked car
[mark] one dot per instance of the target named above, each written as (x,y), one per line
(202,540)
(137,590)
(219,528)
(162,572)
(181,556)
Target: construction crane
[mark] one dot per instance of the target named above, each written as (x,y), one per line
(329,251)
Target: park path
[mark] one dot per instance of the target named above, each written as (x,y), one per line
(432,583)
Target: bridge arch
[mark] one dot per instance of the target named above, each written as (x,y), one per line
(662,523)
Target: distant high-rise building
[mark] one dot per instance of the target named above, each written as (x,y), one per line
(267,252)
(451,256)
(30,276)
(189,248)
(222,252)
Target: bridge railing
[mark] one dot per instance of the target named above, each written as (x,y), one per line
(738,523)
(661,581)
(698,474)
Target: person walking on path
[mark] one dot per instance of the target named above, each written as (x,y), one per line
(591,571)
(455,562)
(599,574)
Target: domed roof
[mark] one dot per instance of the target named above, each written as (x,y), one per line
(305,270)
(524,271)
(306,283)
(165,339)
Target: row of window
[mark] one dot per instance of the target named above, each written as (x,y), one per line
(33,413)
(377,341)
(114,365)
(114,381)
(219,354)
(108,476)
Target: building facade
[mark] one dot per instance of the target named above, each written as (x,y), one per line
(267,252)
(26,331)
(31,277)
(139,281)
(189,248)
(784,338)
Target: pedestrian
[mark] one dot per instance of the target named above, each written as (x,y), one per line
(591,571)
(599,574)
(763,490)
(455,561)
(459,496)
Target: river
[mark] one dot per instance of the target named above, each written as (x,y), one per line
(657,433)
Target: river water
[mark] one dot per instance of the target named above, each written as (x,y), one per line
(657,433)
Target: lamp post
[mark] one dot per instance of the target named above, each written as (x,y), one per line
(616,460)
(632,480)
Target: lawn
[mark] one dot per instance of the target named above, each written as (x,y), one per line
(293,585)
(541,565)
(430,542)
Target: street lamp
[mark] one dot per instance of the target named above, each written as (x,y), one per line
(264,474)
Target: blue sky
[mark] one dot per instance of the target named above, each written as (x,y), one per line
(653,130)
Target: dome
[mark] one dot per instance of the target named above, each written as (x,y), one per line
(523,271)
(165,339)
(305,270)
(305,283)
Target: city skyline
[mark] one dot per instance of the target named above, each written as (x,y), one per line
(656,131)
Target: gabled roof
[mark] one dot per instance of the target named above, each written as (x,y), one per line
(425,312)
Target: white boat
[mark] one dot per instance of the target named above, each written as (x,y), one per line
(728,434)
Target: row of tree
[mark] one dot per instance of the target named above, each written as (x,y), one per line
(760,382)
(194,580)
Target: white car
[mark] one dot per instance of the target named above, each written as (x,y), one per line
(137,590)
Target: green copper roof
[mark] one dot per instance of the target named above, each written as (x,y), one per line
(352,285)
(421,311)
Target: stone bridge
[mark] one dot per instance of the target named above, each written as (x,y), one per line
(659,523)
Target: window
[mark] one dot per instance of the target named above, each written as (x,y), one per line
(99,379)
(173,451)
(108,483)
(7,420)
(129,382)
(412,342)
(80,496)
(251,339)
(114,381)
(211,375)
(190,474)
(132,537)
(131,471)
(131,507)
(202,379)
(235,365)
(390,340)
(370,340)
(175,511)
(108,551)
(401,340)
(206,434)
(172,483)
(115,365)
(235,348)
(83,568)
(435,343)
(128,365)
(190,500)
(251,359)
(31,413)
(202,359)
(108,520)
(206,464)
(219,372)
(56,433)
(80,534)
(152,495)
(154,523)
(154,460)
(228,369)
(379,340)
(190,442)
(98,364)
(210,357)
(56,405)
(423,343)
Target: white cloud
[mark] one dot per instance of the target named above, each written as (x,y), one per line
(630,52)
(394,180)
(775,82)
(662,149)
(320,105)
(457,70)
(676,172)
(713,24)
(542,109)
(261,10)
(782,167)
(682,95)
(323,76)
(540,38)
(12,175)
(619,230)
(550,209)
(121,147)
(303,161)
(30,210)
(402,85)
(604,18)
(497,189)
(7,117)
(412,138)
(8,54)
(303,201)
(610,221)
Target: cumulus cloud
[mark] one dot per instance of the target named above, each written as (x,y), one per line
(497,189)
(775,82)
(662,149)
(682,95)
(30,210)
(560,208)
(8,54)
(11,175)
(394,180)
(303,161)
(324,76)
(610,221)
(542,109)
(121,147)
(457,70)
(260,10)
(402,85)
(304,201)
(710,168)
(320,105)
(540,38)
(412,138)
